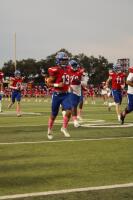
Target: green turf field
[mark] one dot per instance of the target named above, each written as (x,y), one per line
(93,156)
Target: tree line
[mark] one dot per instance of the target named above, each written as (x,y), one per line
(97,68)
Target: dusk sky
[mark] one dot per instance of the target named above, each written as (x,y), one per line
(92,27)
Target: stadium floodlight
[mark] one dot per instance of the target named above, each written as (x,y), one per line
(124,63)
(14,50)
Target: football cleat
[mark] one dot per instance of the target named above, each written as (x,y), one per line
(76,123)
(122,117)
(19,115)
(79,118)
(49,135)
(65,132)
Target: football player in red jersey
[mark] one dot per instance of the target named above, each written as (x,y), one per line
(75,89)
(1,89)
(117,78)
(92,93)
(129,107)
(59,79)
(16,86)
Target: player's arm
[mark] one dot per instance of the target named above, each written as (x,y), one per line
(123,84)
(129,83)
(11,85)
(84,80)
(129,80)
(50,81)
(108,81)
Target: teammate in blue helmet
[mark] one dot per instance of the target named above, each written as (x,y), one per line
(117,68)
(74,65)
(16,86)
(62,59)
(17,73)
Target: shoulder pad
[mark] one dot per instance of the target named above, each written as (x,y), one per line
(53,69)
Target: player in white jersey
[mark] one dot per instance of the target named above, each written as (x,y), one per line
(75,89)
(84,90)
(129,107)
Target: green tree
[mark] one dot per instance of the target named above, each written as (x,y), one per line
(97,68)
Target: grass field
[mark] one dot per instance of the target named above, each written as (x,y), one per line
(93,156)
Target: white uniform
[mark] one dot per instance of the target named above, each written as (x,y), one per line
(130,88)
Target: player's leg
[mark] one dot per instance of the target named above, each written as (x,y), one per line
(54,112)
(117,106)
(18,107)
(106,97)
(74,103)
(117,99)
(93,99)
(128,109)
(13,97)
(110,104)
(81,102)
(0,103)
(66,104)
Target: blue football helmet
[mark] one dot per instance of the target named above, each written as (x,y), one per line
(62,59)
(74,65)
(117,68)
(17,73)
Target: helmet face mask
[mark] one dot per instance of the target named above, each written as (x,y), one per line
(63,62)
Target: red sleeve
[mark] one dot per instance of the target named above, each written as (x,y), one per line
(131,69)
(11,79)
(53,71)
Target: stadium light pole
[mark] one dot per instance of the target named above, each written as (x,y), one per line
(14,51)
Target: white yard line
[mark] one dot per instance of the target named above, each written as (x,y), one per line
(87,123)
(23,113)
(22,125)
(59,141)
(35,194)
(107,125)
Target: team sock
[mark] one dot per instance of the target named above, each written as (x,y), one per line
(65,121)
(50,123)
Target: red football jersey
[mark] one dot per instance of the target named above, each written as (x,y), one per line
(91,91)
(76,77)
(118,79)
(62,75)
(16,82)
(1,77)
